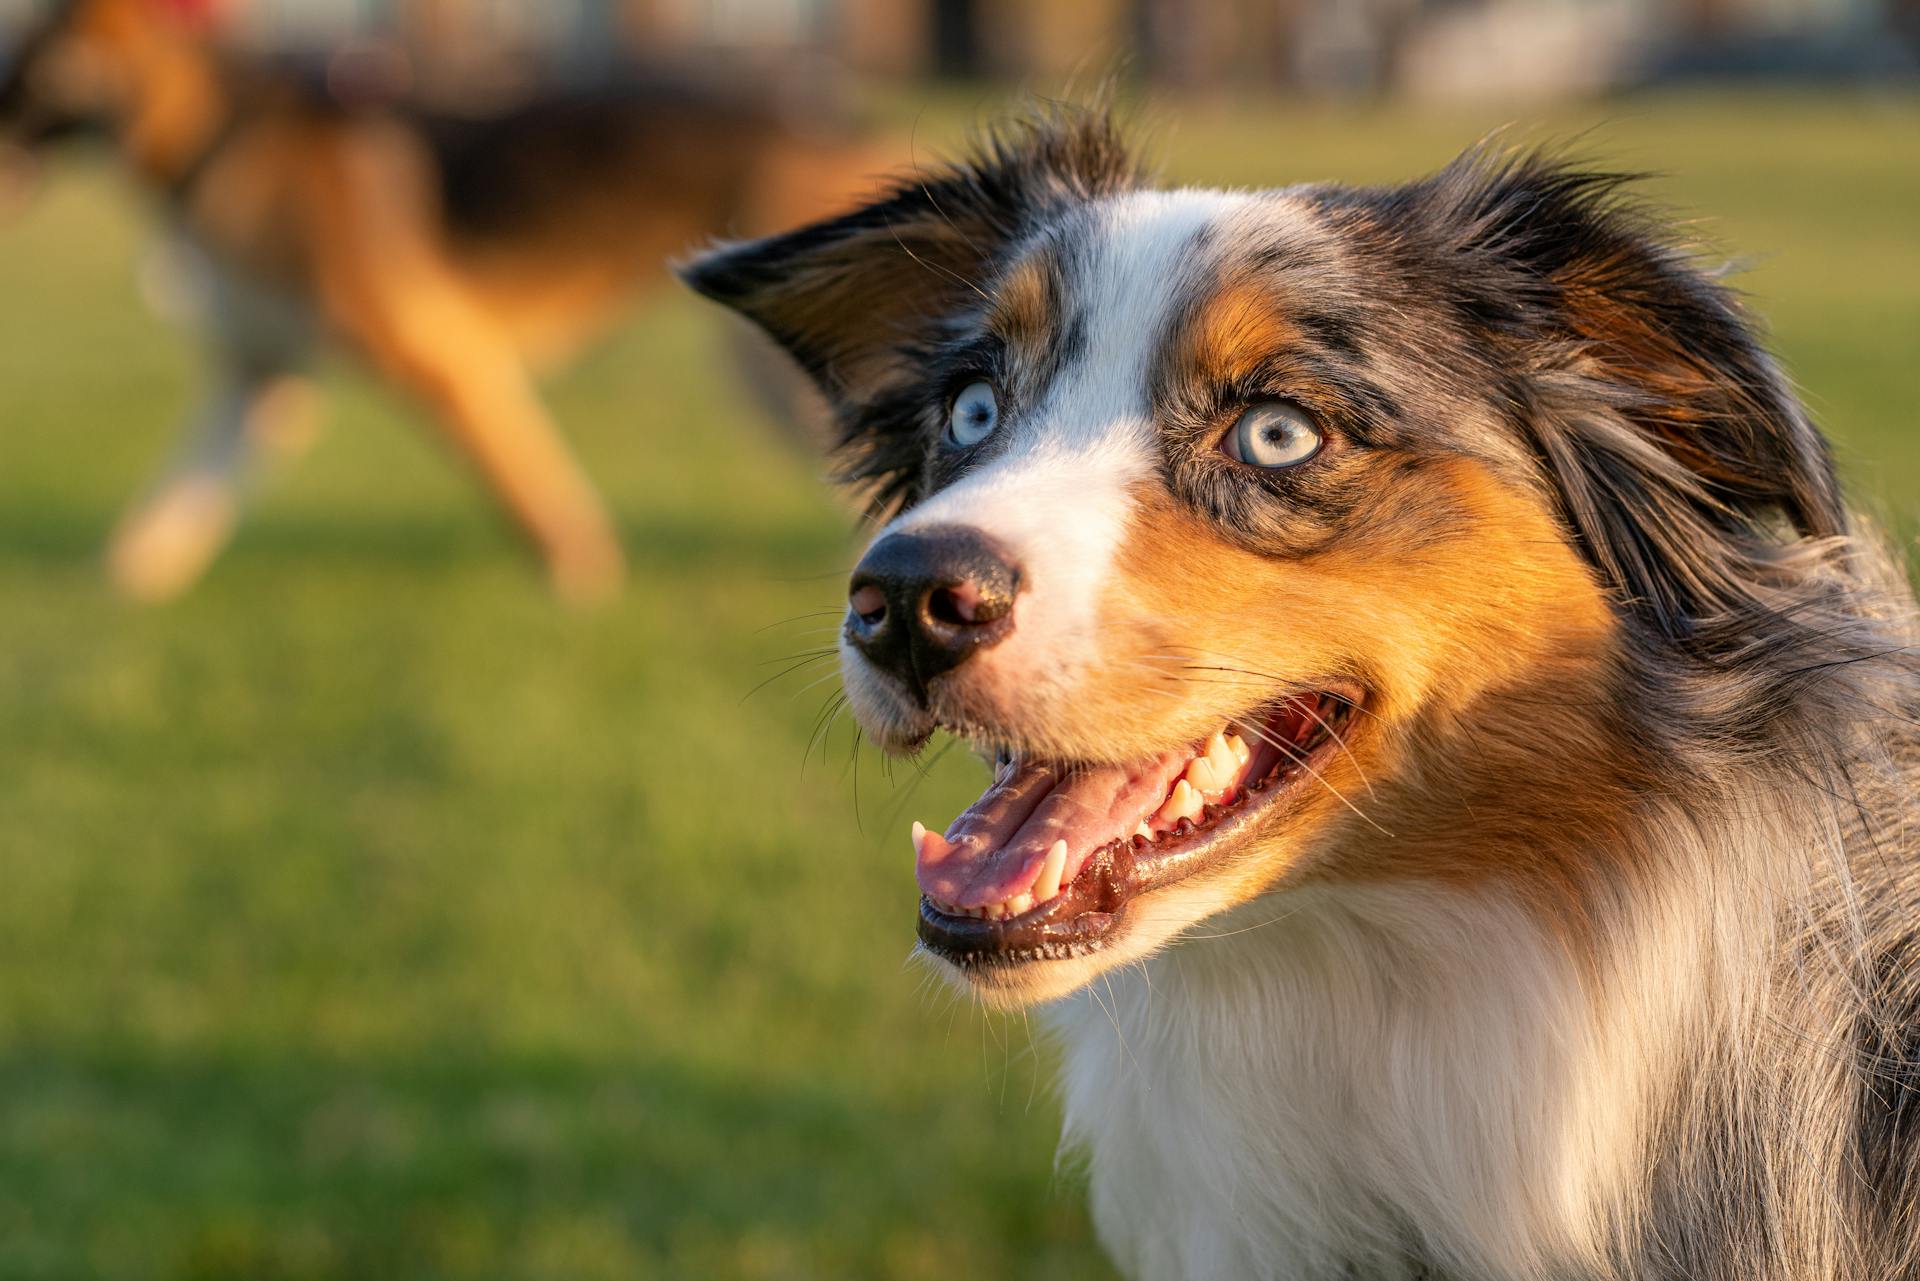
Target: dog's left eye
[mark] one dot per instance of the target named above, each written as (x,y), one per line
(975,413)
(1272,435)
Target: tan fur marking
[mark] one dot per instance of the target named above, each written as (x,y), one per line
(1457,645)
(1233,332)
(1024,303)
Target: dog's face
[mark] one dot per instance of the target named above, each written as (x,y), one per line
(1216,516)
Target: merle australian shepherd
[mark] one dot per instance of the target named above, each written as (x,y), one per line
(1454,749)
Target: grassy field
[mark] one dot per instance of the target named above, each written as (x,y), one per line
(364,915)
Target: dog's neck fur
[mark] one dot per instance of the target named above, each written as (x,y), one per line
(1408,1080)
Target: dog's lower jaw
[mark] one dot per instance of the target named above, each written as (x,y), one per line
(1150,923)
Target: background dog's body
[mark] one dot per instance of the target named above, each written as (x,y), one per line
(457,255)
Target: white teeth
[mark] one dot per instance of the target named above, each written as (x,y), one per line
(1226,763)
(1184,803)
(1048,885)
(1212,772)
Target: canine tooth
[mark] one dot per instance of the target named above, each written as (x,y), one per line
(1184,803)
(1226,762)
(1048,885)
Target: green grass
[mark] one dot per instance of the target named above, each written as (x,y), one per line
(364,915)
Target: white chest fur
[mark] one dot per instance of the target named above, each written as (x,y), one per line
(1336,1084)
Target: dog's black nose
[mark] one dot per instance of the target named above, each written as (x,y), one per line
(920,603)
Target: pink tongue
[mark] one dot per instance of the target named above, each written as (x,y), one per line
(1001,840)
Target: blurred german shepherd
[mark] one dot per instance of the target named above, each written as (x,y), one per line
(458,256)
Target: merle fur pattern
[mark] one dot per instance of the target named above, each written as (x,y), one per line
(1768,635)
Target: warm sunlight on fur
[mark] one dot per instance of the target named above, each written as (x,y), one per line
(1452,747)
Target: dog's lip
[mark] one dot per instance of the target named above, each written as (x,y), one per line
(1088,911)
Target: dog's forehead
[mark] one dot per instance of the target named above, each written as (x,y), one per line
(1126,271)
(1129,266)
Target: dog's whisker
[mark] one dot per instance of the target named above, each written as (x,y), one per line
(823,725)
(799,618)
(1300,759)
(813,654)
(815,683)
(795,667)
(1306,705)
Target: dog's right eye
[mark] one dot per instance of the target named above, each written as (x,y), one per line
(1273,435)
(974,414)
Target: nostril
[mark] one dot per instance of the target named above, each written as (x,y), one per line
(969,604)
(957,606)
(869,604)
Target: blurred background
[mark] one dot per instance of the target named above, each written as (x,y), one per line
(364,913)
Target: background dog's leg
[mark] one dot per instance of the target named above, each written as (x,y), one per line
(383,283)
(429,337)
(165,541)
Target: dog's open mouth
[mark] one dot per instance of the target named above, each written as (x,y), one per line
(1043,864)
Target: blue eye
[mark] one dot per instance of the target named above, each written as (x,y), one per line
(1273,434)
(975,413)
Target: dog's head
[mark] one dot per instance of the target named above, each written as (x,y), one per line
(80,66)
(1217,519)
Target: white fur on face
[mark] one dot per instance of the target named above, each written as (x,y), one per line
(1056,493)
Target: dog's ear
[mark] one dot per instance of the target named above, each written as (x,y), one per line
(1683,464)
(858,300)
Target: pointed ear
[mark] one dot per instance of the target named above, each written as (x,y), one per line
(857,300)
(1684,464)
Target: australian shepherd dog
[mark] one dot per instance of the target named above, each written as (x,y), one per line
(1454,749)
